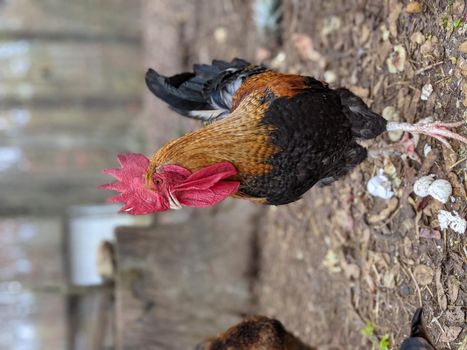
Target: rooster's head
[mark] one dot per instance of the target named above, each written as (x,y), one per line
(170,186)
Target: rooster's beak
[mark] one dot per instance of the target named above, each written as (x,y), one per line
(173,202)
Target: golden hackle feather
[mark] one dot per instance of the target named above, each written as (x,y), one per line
(240,139)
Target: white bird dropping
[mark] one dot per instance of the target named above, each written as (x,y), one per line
(380,186)
(454,221)
(421,186)
(440,190)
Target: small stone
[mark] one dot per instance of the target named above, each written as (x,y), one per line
(427,90)
(417,38)
(426,232)
(430,47)
(405,290)
(423,274)
(396,59)
(330,76)
(414,7)
(463,47)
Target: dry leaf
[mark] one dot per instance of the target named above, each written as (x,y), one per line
(388,280)
(462,66)
(414,7)
(430,47)
(458,9)
(463,47)
(360,91)
(385,213)
(455,315)
(450,334)
(395,8)
(450,158)
(364,34)
(423,274)
(457,187)
(389,277)
(411,111)
(407,247)
(442,299)
(304,46)
(453,288)
(417,38)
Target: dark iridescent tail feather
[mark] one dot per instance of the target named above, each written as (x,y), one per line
(366,124)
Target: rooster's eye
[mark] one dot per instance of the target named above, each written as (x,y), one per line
(158,181)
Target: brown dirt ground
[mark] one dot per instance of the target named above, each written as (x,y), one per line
(339,258)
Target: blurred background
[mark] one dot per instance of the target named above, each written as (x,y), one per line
(70,91)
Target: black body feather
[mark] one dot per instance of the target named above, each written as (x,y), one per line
(366,124)
(316,141)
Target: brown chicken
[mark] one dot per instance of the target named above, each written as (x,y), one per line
(255,333)
(269,138)
(263,333)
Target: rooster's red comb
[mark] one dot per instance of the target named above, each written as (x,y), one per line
(131,184)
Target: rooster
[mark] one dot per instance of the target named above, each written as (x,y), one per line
(268,137)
